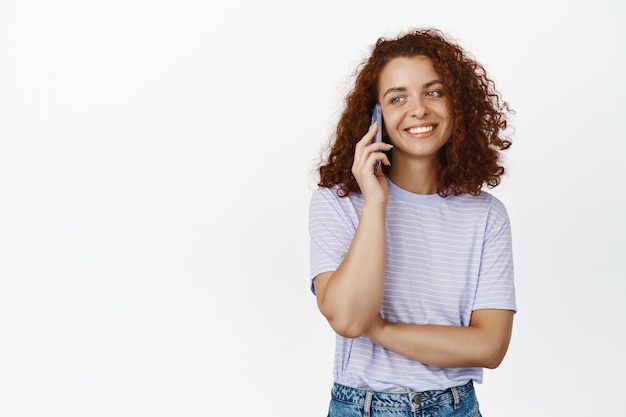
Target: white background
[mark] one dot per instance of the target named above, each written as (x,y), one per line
(156,163)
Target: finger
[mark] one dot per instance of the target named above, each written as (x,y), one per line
(376,159)
(377,168)
(370,164)
(368,137)
(360,153)
(378,149)
(365,145)
(363,154)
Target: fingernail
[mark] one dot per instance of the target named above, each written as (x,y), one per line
(372,125)
(390,145)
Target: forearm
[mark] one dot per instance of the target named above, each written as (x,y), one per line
(353,294)
(479,345)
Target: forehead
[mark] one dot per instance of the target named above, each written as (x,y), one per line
(404,71)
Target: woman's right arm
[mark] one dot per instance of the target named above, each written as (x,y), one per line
(350,297)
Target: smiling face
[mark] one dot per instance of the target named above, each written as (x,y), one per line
(415,109)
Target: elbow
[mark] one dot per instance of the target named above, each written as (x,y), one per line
(494,356)
(346,323)
(347,328)
(493,363)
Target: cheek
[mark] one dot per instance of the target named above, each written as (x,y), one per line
(391,121)
(449,128)
(448,117)
(387,124)
(445,109)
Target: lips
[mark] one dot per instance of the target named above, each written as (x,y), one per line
(421,129)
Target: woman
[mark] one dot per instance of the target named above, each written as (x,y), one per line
(411,264)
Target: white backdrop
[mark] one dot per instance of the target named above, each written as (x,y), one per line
(155,172)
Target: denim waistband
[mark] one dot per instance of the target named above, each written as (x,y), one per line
(399,400)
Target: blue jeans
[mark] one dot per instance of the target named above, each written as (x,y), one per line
(453,402)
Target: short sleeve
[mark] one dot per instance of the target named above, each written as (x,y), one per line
(496,288)
(332,223)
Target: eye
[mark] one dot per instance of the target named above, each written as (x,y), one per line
(396,100)
(434,93)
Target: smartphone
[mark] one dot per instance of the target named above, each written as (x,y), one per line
(377,116)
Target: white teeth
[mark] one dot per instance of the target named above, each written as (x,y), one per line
(418,130)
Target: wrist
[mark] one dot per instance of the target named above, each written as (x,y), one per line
(374,208)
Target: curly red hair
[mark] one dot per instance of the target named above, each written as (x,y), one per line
(471,158)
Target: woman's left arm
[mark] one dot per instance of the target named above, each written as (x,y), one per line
(481,344)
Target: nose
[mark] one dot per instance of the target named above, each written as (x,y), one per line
(419,108)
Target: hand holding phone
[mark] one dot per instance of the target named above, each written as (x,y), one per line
(377,117)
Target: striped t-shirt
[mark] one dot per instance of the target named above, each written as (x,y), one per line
(445,258)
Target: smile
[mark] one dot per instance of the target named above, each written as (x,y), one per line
(421,129)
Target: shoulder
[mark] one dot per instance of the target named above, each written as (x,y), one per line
(483,210)
(328,206)
(324,196)
(497,222)
(496,207)
(483,201)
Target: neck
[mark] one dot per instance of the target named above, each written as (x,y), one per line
(418,177)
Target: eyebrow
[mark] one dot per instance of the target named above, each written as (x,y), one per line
(404,89)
